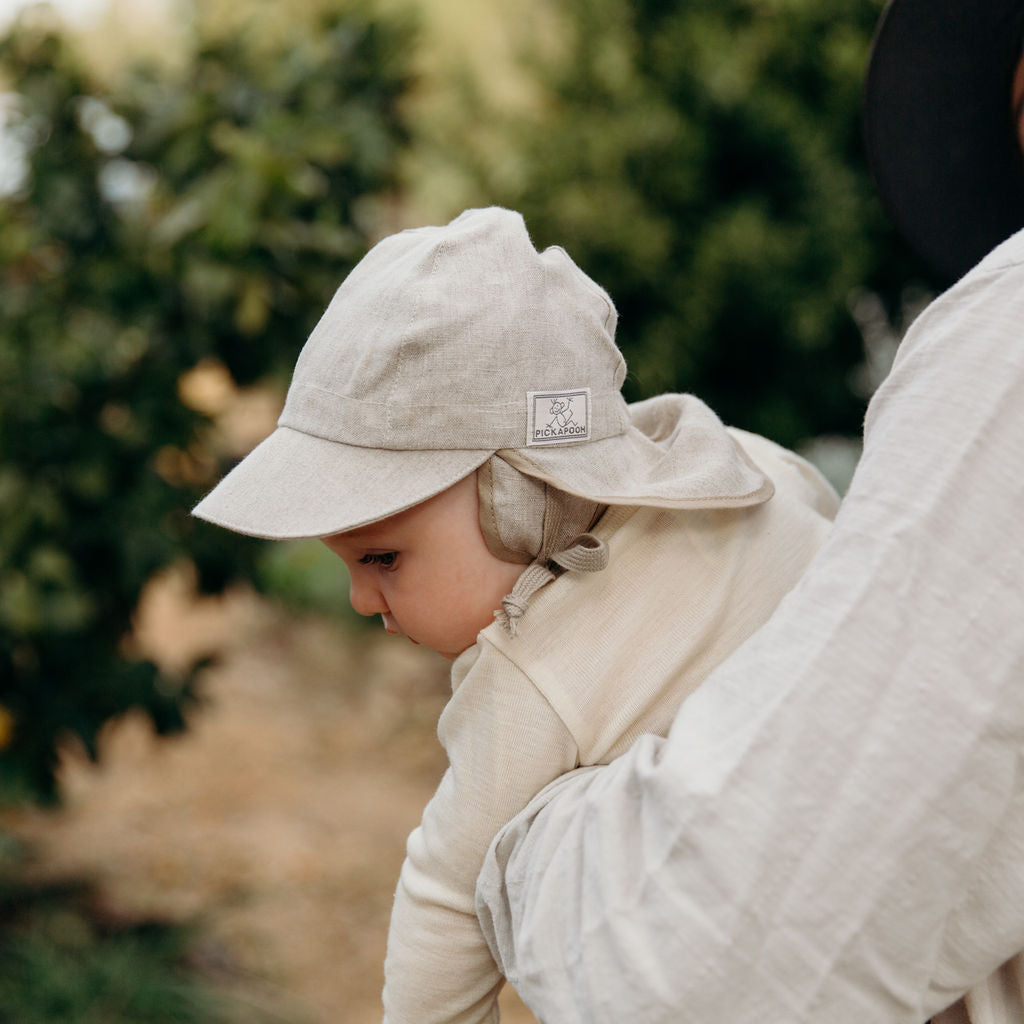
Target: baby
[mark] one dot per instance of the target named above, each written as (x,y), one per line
(455,432)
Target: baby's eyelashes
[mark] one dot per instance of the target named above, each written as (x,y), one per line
(385,559)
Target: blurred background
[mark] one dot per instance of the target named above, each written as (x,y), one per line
(208,767)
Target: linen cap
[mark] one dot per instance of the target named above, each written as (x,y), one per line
(443,346)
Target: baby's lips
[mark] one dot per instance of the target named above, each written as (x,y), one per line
(391,627)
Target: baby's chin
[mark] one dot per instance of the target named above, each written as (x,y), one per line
(452,647)
(450,655)
(447,655)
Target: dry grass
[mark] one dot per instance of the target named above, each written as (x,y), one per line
(279,819)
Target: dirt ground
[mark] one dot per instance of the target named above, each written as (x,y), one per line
(278,820)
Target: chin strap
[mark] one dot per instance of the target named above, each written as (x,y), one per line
(587,553)
(528,521)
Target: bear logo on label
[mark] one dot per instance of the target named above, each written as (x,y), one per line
(558,417)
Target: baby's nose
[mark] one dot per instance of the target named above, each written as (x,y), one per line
(365,598)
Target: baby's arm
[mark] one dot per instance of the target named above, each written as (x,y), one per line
(504,744)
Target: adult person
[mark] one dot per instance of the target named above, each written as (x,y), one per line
(834,829)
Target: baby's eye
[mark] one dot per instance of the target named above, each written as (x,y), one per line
(386,559)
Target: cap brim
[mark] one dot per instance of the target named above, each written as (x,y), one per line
(939,128)
(296,485)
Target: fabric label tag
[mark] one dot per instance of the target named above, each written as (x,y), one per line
(557,417)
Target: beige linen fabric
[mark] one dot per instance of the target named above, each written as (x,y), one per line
(600,660)
(512,509)
(443,346)
(520,516)
(834,829)
(526,521)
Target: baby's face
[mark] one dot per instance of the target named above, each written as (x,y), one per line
(427,571)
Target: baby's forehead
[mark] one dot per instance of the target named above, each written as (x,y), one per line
(363,531)
(404,520)
(360,533)
(455,506)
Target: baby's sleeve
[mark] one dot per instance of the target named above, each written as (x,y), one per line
(504,744)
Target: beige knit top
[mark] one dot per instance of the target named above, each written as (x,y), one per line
(599,659)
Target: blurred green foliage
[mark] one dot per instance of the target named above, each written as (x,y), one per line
(64,960)
(307,576)
(59,965)
(169,218)
(703,160)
